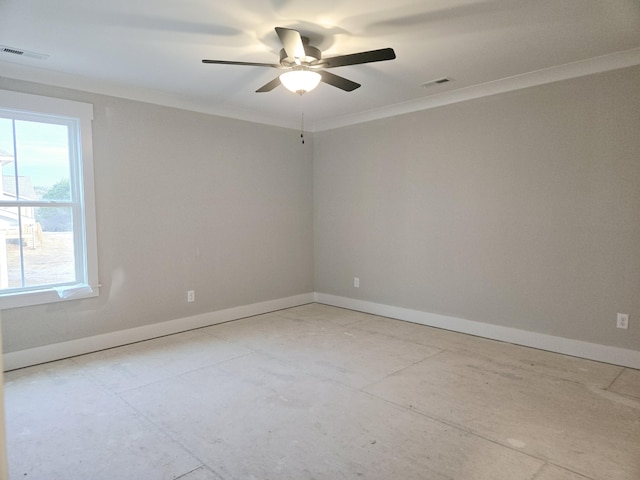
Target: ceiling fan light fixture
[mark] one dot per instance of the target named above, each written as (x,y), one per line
(300,81)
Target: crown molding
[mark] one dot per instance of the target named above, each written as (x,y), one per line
(614,61)
(604,63)
(35,74)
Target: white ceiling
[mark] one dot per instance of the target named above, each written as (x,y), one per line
(151,50)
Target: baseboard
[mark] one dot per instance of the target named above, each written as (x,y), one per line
(567,346)
(576,348)
(57,351)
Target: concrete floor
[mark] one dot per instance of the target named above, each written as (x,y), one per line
(317,392)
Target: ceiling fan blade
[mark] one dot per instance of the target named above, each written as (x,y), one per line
(269,86)
(250,64)
(337,81)
(292,43)
(358,58)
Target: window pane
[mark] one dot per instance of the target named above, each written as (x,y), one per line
(10,271)
(49,252)
(7,160)
(48,256)
(42,151)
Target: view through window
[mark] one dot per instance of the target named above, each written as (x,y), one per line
(38,236)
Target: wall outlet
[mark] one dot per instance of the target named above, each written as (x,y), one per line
(191,296)
(356,282)
(623,321)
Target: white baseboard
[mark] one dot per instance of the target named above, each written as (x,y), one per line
(576,348)
(57,351)
(567,346)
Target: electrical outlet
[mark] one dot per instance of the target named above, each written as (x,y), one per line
(356,282)
(623,321)
(191,296)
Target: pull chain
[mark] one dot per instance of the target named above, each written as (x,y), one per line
(302,119)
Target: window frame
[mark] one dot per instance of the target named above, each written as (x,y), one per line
(78,116)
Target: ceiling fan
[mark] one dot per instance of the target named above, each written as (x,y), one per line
(306,67)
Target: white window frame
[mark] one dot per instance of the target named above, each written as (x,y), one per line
(81,115)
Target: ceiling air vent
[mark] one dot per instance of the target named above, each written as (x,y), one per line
(18,52)
(438,81)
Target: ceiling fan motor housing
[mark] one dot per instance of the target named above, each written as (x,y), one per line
(312,55)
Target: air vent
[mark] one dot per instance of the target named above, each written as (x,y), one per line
(12,50)
(438,81)
(18,52)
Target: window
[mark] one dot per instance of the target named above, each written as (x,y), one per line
(47,221)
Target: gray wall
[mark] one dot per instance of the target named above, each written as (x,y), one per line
(184,201)
(520,209)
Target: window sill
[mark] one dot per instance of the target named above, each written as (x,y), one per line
(49,295)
